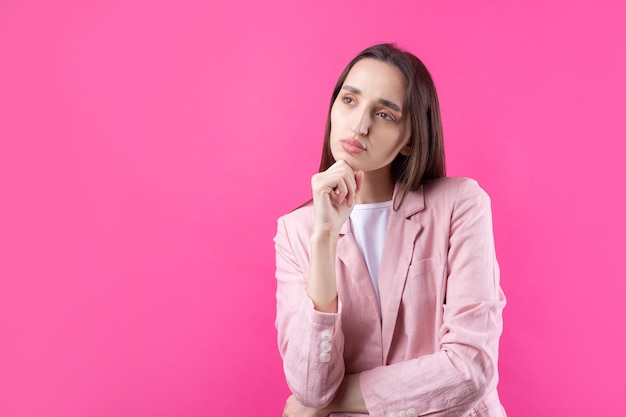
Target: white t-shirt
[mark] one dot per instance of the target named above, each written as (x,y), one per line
(369,226)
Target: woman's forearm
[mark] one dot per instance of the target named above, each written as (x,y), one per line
(349,398)
(321,286)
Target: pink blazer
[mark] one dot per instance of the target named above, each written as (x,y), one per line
(431,348)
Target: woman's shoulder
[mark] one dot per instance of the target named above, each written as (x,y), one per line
(300,220)
(452,184)
(452,190)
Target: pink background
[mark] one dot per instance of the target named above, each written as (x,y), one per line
(147,148)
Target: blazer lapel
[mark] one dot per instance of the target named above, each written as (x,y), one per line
(402,233)
(349,253)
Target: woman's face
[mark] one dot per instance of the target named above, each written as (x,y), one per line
(369,124)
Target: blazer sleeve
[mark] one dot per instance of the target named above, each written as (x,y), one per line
(464,369)
(310,342)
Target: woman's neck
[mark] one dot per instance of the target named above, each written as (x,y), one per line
(377,186)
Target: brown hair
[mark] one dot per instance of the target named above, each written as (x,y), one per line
(427,158)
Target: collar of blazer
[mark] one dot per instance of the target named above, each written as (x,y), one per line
(414,203)
(402,233)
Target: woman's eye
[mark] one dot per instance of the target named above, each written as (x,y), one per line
(386,116)
(348,100)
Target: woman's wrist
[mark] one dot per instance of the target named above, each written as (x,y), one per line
(324,233)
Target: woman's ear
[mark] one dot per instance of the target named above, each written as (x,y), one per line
(406,149)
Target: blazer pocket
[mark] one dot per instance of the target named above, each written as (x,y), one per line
(425,265)
(423,293)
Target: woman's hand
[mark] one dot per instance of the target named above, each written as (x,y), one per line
(293,408)
(334,193)
(349,399)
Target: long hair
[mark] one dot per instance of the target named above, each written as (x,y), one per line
(427,157)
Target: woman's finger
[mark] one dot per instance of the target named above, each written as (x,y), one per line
(349,179)
(358,179)
(341,190)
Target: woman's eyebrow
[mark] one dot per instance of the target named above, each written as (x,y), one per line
(393,106)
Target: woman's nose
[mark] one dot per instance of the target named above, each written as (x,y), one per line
(361,125)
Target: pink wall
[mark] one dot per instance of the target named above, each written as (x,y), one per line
(146,149)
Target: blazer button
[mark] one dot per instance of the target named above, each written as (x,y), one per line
(327,335)
(324,357)
(325,346)
(411,412)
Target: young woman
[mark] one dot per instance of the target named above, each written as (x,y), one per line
(388,297)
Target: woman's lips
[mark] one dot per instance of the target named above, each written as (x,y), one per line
(352,145)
